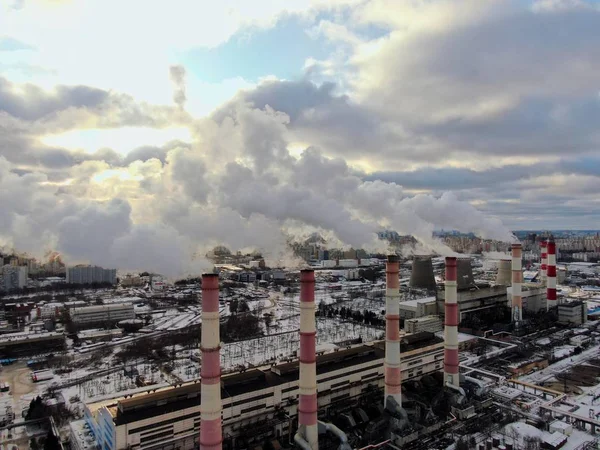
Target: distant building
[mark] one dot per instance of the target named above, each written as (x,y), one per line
(18,313)
(20,344)
(94,315)
(420,307)
(13,277)
(246,277)
(432,324)
(91,274)
(131,280)
(573,313)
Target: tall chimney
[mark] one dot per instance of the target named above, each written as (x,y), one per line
(451,325)
(307,408)
(393,375)
(517,279)
(211,434)
(551,300)
(543,246)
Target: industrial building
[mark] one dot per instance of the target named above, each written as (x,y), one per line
(171,416)
(572,313)
(432,324)
(420,307)
(91,274)
(89,316)
(533,296)
(286,402)
(22,344)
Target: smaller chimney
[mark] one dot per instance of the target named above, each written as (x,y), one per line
(211,433)
(544,247)
(451,369)
(517,279)
(307,407)
(551,299)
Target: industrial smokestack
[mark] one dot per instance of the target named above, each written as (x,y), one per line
(504,275)
(543,268)
(517,279)
(451,375)
(422,273)
(392,331)
(307,408)
(551,300)
(464,273)
(211,434)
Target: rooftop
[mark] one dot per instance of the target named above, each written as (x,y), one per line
(163,400)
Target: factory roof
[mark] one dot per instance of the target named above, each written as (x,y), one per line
(414,303)
(100,308)
(187,395)
(571,304)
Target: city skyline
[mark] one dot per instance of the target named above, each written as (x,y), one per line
(131,142)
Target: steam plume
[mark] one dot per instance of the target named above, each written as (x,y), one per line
(178,74)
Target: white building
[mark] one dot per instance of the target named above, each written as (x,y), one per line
(101,314)
(432,324)
(91,274)
(419,307)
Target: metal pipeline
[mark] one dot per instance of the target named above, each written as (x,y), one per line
(324,427)
(300,441)
(460,390)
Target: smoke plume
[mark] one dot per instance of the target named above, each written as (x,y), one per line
(178,74)
(235,185)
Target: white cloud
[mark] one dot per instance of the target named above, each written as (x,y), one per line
(442,102)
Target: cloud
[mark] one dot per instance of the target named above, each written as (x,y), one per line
(8,44)
(31,102)
(462,115)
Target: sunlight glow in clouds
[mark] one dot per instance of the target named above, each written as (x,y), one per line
(121,140)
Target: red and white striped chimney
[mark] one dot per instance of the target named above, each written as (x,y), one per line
(517,279)
(551,300)
(451,372)
(307,407)
(544,246)
(393,374)
(211,434)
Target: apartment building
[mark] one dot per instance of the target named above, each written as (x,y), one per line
(13,277)
(91,274)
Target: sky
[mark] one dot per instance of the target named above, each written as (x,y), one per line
(142,133)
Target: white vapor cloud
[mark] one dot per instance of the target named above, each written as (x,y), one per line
(424,116)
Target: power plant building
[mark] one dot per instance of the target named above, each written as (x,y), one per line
(431,324)
(170,417)
(572,313)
